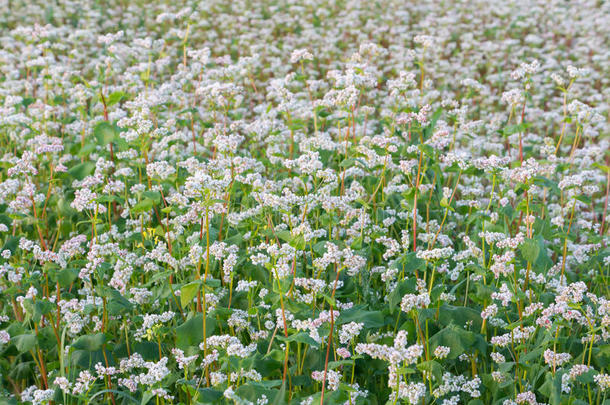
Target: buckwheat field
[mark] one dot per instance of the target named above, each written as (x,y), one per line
(304,202)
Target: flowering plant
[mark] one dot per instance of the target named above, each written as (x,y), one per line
(270,202)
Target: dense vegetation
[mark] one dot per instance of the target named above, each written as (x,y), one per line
(273,202)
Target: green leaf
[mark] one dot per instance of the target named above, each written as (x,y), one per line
(146,397)
(601,356)
(357,243)
(330,300)
(115,97)
(552,387)
(143,206)
(24,343)
(531,355)
(90,343)
(154,196)
(254,390)
(433,367)
(302,337)
(513,129)
(118,304)
(298,242)
(105,133)
(459,316)
(28,307)
(371,319)
(403,287)
(460,341)
(543,181)
(283,235)
(66,277)
(602,167)
(82,170)
(347,162)
(530,250)
(543,262)
(188,292)
(11,243)
(105,199)
(190,333)
(587,378)
(411,262)
(27,101)
(86,149)
(319,247)
(43,307)
(208,395)
(445,203)
(102,392)
(211,283)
